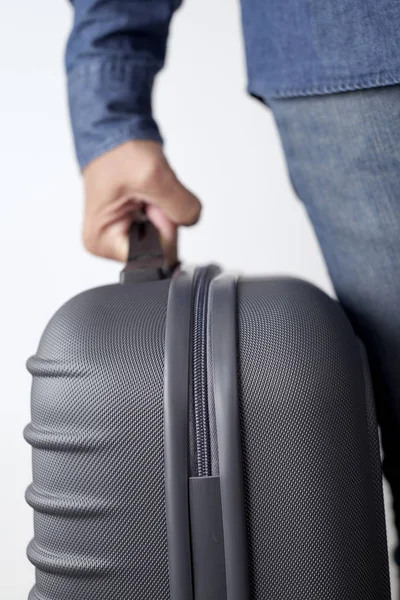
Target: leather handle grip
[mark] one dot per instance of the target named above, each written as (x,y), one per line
(144,245)
(146,261)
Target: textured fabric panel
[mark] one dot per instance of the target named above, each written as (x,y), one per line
(375,454)
(314,512)
(97,437)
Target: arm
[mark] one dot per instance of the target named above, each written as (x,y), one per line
(114,52)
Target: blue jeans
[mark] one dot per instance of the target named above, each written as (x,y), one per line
(343,157)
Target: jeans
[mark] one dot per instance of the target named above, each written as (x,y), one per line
(343,157)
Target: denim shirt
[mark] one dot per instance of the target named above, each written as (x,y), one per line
(293,48)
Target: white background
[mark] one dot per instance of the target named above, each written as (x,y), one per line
(222,144)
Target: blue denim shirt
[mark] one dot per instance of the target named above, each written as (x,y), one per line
(293,48)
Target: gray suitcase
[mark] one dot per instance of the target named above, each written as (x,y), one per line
(204,437)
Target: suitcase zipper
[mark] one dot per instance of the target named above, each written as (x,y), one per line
(203,278)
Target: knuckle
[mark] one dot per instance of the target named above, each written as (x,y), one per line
(155,173)
(193,212)
(89,241)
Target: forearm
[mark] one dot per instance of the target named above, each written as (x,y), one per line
(114,52)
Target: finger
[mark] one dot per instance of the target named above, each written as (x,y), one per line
(112,240)
(109,241)
(168,233)
(119,248)
(179,204)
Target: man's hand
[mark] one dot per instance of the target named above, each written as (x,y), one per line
(124,179)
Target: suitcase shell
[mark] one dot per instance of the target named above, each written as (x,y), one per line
(205,437)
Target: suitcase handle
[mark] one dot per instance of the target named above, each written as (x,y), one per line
(146,261)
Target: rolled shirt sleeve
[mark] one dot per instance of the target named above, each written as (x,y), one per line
(115,50)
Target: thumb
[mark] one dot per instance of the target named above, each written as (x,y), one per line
(177,203)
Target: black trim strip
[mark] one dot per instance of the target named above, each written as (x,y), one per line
(224,349)
(207,539)
(176,390)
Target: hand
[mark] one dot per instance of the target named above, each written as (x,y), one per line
(121,181)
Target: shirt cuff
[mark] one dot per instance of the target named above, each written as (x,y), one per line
(110,103)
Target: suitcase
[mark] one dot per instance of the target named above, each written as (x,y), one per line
(204,437)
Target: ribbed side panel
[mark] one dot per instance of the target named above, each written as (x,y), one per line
(97,437)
